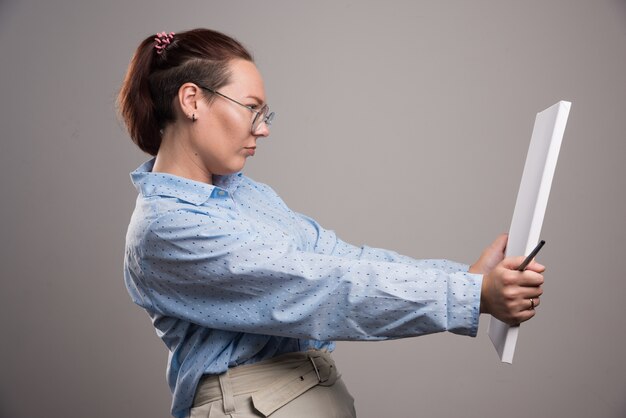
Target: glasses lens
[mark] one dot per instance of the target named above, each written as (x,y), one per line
(262,117)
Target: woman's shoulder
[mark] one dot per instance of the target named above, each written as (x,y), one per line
(186,223)
(160,213)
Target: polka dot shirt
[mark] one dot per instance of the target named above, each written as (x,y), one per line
(230,275)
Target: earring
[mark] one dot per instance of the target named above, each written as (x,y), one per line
(193,117)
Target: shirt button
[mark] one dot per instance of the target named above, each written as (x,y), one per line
(221,193)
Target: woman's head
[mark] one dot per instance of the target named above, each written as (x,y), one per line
(161,65)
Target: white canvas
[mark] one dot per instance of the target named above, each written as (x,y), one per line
(530,207)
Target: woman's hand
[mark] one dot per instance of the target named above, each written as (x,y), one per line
(508,294)
(491,256)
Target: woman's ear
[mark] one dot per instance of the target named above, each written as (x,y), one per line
(188,96)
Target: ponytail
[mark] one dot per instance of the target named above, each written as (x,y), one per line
(135,101)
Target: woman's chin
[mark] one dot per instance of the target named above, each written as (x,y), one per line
(231,169)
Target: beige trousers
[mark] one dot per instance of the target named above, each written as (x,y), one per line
(293,385)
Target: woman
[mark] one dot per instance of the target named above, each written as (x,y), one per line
(247,294)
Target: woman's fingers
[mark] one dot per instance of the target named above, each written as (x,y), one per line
(530,278)
(499,243)
(536,267)
(528,303)
(523,316)
(491,256)
(511,295)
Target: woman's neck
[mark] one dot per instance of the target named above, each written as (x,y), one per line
(175,158)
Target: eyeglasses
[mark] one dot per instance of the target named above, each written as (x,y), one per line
(262,115)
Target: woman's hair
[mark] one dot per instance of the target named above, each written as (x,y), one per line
(155,74)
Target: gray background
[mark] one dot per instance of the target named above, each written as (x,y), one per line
(400,124)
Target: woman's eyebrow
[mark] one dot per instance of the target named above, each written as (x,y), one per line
(255,98)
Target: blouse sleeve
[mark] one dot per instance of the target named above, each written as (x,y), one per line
(217,273)
(327,242)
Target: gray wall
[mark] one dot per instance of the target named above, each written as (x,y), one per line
(400,124)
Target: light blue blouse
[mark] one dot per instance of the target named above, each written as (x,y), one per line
(230,275)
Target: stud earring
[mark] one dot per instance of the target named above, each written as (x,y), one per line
(193,117)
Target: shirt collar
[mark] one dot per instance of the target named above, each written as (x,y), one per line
(149,183)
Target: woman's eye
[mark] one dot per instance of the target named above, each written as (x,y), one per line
(253,106)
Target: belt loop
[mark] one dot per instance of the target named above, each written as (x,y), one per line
(227,393)
(317,372)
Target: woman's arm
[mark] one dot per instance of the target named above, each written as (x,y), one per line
(327,242)
(217,273)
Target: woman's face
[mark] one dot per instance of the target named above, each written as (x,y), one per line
(222,137)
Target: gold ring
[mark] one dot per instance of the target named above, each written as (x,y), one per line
(532,304)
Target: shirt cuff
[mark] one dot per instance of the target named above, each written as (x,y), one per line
(463,306)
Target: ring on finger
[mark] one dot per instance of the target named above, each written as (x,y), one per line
(532,304)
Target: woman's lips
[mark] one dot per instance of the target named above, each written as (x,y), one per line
(251,150)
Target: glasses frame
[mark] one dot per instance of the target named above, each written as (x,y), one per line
(258,114)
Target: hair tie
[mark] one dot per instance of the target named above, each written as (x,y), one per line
(162,40)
